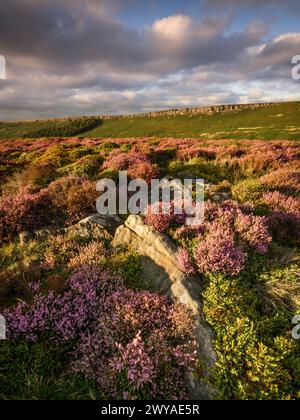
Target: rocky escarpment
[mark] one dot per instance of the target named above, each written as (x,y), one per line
(208,110)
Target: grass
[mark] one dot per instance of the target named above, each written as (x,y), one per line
(275,122)
(48,128)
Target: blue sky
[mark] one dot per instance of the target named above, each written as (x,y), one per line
(69,57)
(144,13)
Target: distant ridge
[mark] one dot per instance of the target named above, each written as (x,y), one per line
(257,121)
(205,110)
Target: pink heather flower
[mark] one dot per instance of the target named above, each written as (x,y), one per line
(219,255)
(64,316)
(281,202)
(136,163)
(22,212)
(189,232)
(143,170)
(185,262)
(286,180)
(254,231)
(91,254)
(138,347)
(160,221)
(285,227)
(136,362)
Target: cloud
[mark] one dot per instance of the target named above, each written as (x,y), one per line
(73,57)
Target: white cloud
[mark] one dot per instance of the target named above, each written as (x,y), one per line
(174,28)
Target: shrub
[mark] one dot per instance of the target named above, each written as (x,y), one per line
(87,166)
(158,219)
(68,128)
(64,317)
(281,202)
(92,254)
(285,227)
(185,262)
(143,170)
(137,164)
(254,231)
(218,255)
(23,212)
(138,348)
(248,190)
(55,156)
(73,198)
(285,180)
(129,265)
(247,367)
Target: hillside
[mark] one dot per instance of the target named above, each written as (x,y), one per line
(73,283)
(279,121)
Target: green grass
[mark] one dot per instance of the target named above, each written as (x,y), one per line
(13,130)
(276,122)
(49,128)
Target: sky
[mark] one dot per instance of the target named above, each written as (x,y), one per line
(74,57)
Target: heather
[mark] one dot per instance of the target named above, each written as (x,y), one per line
(83,320)
(128,343)
(139,341)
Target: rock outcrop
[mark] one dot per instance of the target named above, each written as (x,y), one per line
(106,223)
(207,110)
(95,225)
(160,269)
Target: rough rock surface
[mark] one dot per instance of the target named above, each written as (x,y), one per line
(160,269)
(108,223)
(209,110)
(96,225)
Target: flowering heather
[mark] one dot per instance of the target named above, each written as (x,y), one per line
(63,317)
(285,180)
(228,231)
(285,227)
(185,262)
(137,349)
(92,254)
(143,170)
(23,212)
(189,232)
(73,198)
(160,221)
(218,255)
(60,249)
(134,360)
(281,202)
(284,222)
(136,163)
(121,161)
(254,231)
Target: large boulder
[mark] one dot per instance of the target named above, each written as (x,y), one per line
(160,269)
